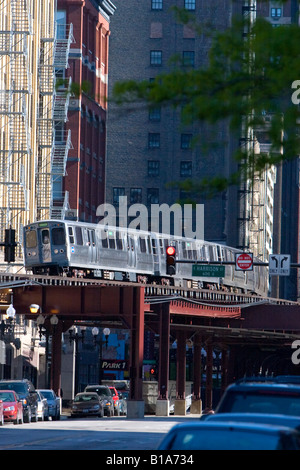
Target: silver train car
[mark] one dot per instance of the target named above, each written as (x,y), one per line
(79,249)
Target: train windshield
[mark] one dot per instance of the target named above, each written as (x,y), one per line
(31,239)
(58,236)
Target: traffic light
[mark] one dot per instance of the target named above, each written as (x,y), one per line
(171,260)
(10,245)
(153,373)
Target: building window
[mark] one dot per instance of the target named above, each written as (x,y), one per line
(153,168)
(190,4)
(155,57)
(186,141)
(117,192)
(156,4)
(153,140)
(188,58)
(155,113)
(275,12)
(185,169)
(61,22)
(152,196)
(135,195)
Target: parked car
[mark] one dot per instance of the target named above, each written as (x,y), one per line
(209,435)
(54,404)
(87,404)
(260,395)
(105,396)
(116,399)
(123,396)
(1,413)
(43,408)
(12,406)
(27,394)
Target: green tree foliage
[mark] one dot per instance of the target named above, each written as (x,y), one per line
(247,78)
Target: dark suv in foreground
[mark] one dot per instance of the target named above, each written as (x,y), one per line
(276,395)
(27,394)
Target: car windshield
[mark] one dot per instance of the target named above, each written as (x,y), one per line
(262,401)
(224,440)
(101,391)
(17,387)
(84,398)
(48,395)
(7,396)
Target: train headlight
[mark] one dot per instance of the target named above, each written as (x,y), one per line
(56,251)
(33,253)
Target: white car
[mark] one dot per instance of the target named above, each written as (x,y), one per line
(54,403)
(43,409)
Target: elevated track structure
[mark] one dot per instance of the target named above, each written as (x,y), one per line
(245,328)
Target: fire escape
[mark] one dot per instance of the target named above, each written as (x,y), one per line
(247,144)
(15,89)
(54,141)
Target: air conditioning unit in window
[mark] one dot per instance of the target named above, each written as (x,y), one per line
(71,214)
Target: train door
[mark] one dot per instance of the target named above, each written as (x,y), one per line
(131,259)
(92,245)
(46,246)
(155,252)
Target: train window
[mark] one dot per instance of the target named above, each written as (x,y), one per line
(104,240)
(184,253)
(45,237)
(58,236)
(71,235)
(161,246)
(153,246)
(149,245)
(79,238)
(119,241)
(31,239)
(142,245)
(111,241)
(93,239)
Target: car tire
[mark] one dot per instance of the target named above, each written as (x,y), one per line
(28,417)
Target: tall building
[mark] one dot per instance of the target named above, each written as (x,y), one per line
(286,200)
(30,105)
(149,150)
(82,190)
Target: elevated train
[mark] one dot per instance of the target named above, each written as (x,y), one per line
(79,249)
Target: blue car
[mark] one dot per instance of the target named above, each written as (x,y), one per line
(214,435)
(53,401)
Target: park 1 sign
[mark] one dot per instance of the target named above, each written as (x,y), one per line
(244,261)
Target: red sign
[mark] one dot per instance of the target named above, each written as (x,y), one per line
(244,262)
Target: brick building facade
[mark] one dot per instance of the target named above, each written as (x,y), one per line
(88,67)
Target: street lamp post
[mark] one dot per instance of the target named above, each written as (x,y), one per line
(100,342)
(75,337)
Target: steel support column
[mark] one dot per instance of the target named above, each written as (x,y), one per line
(164,351)
(209,375)
(56,359)
(135,407)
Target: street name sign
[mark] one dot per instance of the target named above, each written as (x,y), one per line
(244,261)
(208,270)
(279,265)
